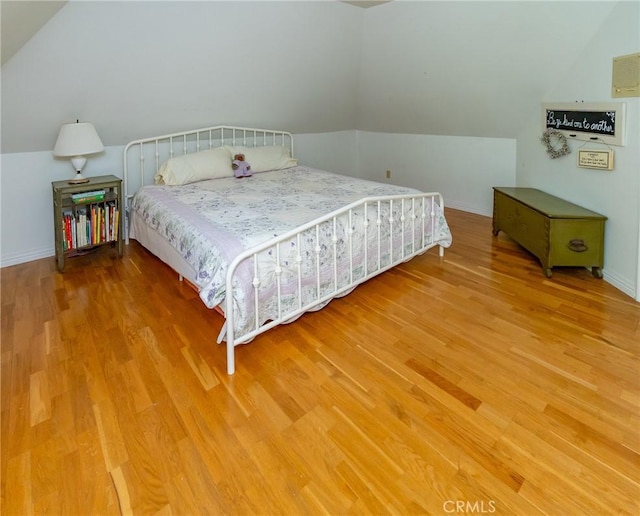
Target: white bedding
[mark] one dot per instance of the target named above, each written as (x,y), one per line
(210,222)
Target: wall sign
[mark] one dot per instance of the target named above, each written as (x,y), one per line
(600,159)
(600,122)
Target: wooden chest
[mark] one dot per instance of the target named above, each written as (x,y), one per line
(556,231)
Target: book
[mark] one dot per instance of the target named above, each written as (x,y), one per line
(87,194)
(116,225)
(68,231)
(86,197)
(81,217)
(94,223)
(87,200)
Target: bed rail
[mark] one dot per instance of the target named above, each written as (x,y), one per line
(142,158)
(391,230)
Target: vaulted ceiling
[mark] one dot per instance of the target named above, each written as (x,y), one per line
(21,20)
(137,68)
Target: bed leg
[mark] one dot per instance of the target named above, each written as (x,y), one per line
(231,364)
(440,251)
(223,332)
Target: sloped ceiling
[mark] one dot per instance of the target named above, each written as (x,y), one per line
(21,20)
(136,69)
(469,68)
(139,68)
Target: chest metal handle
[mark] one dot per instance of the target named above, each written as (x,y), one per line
(578,245)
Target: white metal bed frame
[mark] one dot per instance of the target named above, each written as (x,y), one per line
(160,148)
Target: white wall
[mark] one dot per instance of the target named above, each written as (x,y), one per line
(615,194)
(463,169)
(335,151)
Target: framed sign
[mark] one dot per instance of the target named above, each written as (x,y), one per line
(598,122)
(600,159)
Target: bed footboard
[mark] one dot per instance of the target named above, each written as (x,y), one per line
(326,258)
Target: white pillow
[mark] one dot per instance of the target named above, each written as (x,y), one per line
(261,159)
(197,166)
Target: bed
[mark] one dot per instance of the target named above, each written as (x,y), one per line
(265,249)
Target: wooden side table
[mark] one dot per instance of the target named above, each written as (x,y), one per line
(87,215)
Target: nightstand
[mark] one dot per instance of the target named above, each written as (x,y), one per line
(87,215)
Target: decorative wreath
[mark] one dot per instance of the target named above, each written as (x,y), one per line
(556,143)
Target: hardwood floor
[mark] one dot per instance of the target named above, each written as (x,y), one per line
(469,384)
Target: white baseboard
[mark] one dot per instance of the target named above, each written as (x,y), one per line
(19,258)
(466,207)
(620,283)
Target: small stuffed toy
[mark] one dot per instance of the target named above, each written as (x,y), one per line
(240,167)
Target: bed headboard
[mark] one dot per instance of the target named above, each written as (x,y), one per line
(142,158)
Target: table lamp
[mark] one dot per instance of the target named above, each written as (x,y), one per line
(76,141)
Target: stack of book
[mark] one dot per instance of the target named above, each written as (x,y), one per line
(90,225)
(87,197)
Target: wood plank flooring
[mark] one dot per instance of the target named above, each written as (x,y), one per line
(468,384)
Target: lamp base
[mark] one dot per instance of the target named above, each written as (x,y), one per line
(79,179)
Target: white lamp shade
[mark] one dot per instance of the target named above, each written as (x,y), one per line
(77,139)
